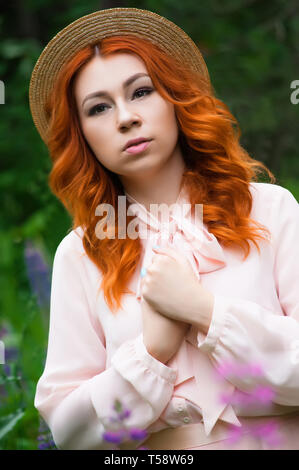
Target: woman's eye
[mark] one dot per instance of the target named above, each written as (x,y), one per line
(148,90)
(92,111)
(136,93)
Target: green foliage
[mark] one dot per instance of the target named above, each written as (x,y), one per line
(251,49)
(7,423)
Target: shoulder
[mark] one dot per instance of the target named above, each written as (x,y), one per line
(71,244)
(277,208)
(71,254)
(268,197)
(269,190)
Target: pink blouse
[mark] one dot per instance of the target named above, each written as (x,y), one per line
(94,357)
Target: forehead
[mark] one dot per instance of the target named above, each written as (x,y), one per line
(107,72)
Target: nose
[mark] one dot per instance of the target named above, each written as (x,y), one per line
(127,117)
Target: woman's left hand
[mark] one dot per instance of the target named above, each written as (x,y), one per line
(170,286)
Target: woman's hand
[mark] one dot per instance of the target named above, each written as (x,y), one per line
(171,288)
(162,336)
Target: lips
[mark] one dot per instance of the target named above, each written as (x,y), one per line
(138,148)
(135,142)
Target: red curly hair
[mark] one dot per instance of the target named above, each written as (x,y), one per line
(218,169)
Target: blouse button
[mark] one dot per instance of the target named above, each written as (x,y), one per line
(180,408)
(186,419)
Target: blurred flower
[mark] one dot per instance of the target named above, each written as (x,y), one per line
(234,434)
(263,394)
(259,394)
(269,432)
(50,445)
(123,434)
(38,274)
(237,398)
(45,438)
(124,414)
(256,370)
(116,437)
(230,369)
(138,434)
(3,332)
(11,353)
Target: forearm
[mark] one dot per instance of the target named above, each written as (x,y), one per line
(200,313)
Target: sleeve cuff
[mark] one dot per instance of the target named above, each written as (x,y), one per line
(152,363)
(207,342)
(134,354)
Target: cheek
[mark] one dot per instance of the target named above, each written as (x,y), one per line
(99,142)
(93,133)
(168,118)
(97,139)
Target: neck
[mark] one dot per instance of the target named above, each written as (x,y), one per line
(163,186)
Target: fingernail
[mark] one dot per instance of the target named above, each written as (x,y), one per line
(143,272)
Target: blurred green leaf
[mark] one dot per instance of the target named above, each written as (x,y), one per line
(7,423)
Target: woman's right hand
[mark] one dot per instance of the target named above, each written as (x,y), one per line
(162,336)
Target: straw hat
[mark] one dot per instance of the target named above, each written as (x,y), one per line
(90,29)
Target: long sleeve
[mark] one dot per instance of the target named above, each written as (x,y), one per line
(245,332)
(76,392)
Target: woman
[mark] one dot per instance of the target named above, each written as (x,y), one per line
(218,284)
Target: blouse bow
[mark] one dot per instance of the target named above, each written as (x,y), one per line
(193,239)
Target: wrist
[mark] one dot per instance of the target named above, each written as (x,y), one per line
(159,356)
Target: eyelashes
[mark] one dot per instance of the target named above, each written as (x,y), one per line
(93,110)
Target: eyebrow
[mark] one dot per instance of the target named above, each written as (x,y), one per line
(128,82)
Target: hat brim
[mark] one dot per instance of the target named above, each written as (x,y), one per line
(94,27)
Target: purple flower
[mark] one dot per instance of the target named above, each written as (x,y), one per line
(124,414)
(256,370)
(234,434)
(116,437)
(3,332)
(11,353)
(269,432)
(242,398)
(237,398)
(43,446)
(225,398)
(137,434)
(264,429)
(38,274)
(226,369)
(263,394)
(6,369)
